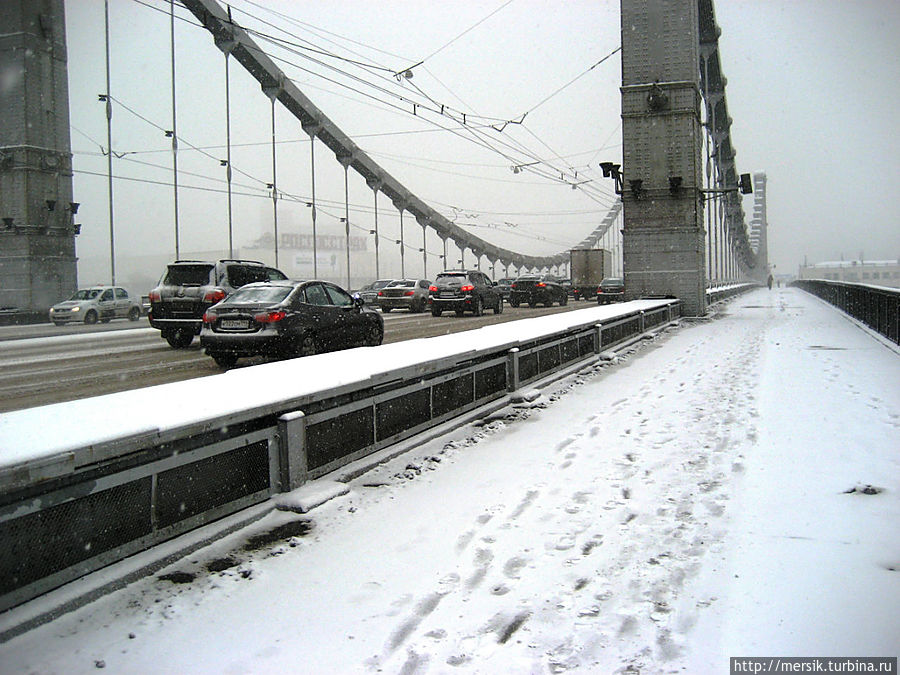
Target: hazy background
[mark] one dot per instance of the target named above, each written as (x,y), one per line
(812,90)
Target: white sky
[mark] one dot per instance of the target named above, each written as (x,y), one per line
(683,505)
(811,90)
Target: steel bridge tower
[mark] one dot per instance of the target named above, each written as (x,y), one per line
(664,238)
(37,230)
(670,69)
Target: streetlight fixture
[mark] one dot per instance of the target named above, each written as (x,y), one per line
(611,170)
(517,168)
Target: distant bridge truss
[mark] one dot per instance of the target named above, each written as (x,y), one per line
(722,152)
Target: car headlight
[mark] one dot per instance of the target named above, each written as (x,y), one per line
(76,309)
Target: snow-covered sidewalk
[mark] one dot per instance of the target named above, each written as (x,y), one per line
(729,488)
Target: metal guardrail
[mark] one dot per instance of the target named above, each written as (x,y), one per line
(68,514)
(876,307)
(719,293)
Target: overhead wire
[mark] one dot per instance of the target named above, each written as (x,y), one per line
(443,108)
(476,135)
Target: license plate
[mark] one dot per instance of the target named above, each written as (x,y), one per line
(447,294)
(233,324)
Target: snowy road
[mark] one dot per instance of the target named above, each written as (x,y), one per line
(57,364)
(683,504)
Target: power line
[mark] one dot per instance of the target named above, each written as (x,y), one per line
(510,148)
(475,25)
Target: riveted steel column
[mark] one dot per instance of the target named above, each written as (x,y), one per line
(664,239)
(37,244)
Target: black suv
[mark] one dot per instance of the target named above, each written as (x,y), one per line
(537,289)
(463,290)
(189,287)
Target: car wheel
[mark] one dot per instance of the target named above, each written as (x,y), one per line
(513,302)
(134,314)
(385,310)
(531,303)
(60,323)
(90,317)
(308,345)
(224,360)
(459,312)
(374,335)
(105,319)
(499,308)
(478,309)
(435,310)
(180,338)
(564,301)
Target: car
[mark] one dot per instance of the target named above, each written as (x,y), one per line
(189,287)
(611,289)
(369,292)
(286,319)
(504,285)
(464,290)
(97,303)
(536,289)
(411,294)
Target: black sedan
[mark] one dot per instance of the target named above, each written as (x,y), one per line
(611,289)
(287,318)
(537,289)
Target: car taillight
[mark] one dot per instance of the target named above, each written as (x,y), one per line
(467,288)
(408,293)
(269,317)
(432,289)
(214,295)
(540,284)
(208,318)
(512,286)
(154,296)
(380,293)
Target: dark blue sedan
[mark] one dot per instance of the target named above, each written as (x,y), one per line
(285,319)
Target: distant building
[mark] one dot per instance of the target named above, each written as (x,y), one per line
(871,272)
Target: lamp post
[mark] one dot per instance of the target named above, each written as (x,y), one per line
(174,132)
(107,98)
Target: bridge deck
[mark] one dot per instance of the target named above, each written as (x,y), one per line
(682,505)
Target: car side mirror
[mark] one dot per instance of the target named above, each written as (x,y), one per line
(357,300)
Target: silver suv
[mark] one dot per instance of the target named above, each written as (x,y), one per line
(189,287)
(97,303)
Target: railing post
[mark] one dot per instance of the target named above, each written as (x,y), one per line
(512,369)
(642,322)
(292,465)
(598,338)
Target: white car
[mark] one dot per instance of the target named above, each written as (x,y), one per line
(98,303)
